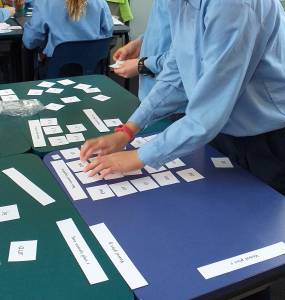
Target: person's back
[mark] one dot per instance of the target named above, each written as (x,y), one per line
(58,21)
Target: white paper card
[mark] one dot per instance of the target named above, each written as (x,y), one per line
(242,261)
(69,181)
(138,142)
(113,175)
(222,162)
(176,163)
(48,121)
(74,128)
(56,156)
(37,133)
(92,90)
(6,92)
(54,106)
(35,92)
(144,184)
(122,188)
(151,170)
(86,179)
(113,122)
(9,213)
(54,91)
(70,153)
(23,251)
(100,192)
(66,82)
(118,256)
(82,86)
(133,173)
(75,137)
(165,178)
(28,186)
(190,175)
(9,98)
(58,140)
(46,84)
(95,120)
(72,99)
(101,98)
(77,165)
(117,64)
(81,251)
(52,130)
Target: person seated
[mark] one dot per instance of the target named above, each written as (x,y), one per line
(6,13)
(58,21)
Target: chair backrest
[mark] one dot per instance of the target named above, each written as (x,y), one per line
(83,55)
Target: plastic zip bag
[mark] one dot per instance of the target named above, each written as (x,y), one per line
(21,108)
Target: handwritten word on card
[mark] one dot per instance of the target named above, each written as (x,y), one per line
(81,251)
(118,256)
(242,261)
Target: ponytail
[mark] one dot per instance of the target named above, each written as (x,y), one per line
(76,8)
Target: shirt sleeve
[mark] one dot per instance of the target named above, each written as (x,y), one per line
(166,97)
(35,30)
(106,22)
(4,14)
(155,62)
(232,33)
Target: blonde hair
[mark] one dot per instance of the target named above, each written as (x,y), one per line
(76,8)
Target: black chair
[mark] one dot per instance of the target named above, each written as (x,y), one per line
(78,58)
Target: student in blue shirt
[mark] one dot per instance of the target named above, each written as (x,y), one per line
(57,21)
(6,13)
(226,69)
(146,54)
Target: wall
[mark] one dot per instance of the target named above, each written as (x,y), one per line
(140,10)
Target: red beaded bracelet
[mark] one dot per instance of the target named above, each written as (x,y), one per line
(126,129)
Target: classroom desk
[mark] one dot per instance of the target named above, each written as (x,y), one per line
(121,105)
(13,137)
(55,274)
(171,231)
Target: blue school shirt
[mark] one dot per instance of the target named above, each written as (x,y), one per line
(4,14)
(155,46)
(226,69)
(50,24)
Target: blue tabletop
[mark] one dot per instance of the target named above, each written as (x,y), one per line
(171,231)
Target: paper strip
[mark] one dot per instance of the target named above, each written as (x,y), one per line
(242,261)
(81,251)
(37,133)
(28,186)
(118,256)
(69,181)
(95,120)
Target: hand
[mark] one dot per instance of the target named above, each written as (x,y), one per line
(125,161)
(104,145)
(129,51)
(11,10)
(128,69)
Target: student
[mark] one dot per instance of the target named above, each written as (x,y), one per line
(146,54)
(6,13)
(57,21)
(228,72)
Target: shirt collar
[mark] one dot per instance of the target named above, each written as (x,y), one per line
(195,3)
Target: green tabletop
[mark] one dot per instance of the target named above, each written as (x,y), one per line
(13,136)
(14,34)
(121,105)
(55,274)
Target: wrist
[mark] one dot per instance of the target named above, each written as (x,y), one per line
(126,131)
